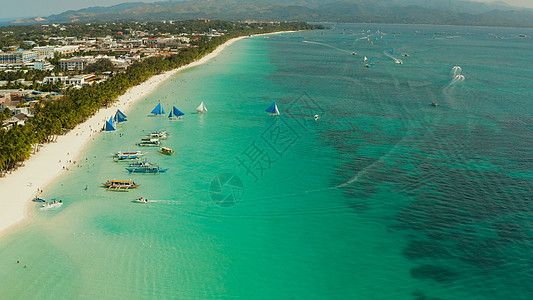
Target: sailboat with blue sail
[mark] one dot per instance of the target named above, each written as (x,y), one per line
(158,110)
(109,125)
(273,110)
(175,113)
(120,117)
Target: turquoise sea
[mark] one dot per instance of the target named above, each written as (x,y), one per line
(383,197)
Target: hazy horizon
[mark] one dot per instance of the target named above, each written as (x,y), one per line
(37,8)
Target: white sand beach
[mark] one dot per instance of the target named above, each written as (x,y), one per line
(53,160)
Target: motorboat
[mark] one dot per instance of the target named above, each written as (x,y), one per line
(140,200)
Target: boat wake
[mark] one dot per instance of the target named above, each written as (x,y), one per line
(456,70)
(376,164)
(457,78)
(398,61)
(326,45)
(449,90)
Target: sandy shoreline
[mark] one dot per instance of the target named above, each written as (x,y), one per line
(54,159)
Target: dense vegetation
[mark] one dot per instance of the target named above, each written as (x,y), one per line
(449,12)
(53,118)
(101,65)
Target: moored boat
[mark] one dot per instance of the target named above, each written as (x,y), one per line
(120,185)
(149,142)
(145,167)
(158,134)
(120,117)
(127,155)
(37,199)
(51,205)
(166,151)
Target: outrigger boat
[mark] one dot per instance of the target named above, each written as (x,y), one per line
(37,199)
(158,134)
(145,167)
(149,142)
(120,185)
(127,155)
(166,151)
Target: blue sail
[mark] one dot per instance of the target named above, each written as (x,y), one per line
(177,112)
(273,109)
(391,51)
(121,114)
(109,125)
(371,60)
(120,117)
(158,110)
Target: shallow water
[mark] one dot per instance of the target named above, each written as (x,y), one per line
(384,197)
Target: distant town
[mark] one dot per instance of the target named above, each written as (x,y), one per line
(41,62)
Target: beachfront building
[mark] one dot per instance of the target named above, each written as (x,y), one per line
(22,111)
(54,79)
(19,119)
(80,80)
(77,80)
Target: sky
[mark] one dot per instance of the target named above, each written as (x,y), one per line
(12,9)
(519,3)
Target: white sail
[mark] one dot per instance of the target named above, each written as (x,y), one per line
(201,108)
(365,59)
